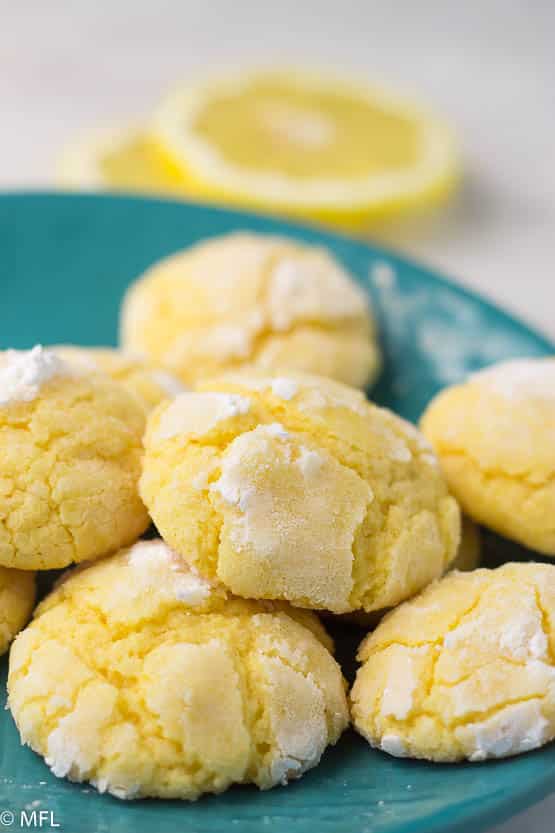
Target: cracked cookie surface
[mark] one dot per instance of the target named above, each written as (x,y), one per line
(297,488)
(466,670)
(246,299)
(139,676)
(494,438)
(148,382)
(70,450)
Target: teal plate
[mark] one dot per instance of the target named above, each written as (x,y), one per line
(64,264)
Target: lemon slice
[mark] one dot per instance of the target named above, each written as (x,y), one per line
(306,145)
(123,160)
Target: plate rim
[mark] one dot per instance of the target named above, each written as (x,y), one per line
(433,273)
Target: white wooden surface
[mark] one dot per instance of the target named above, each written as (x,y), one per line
(488,65)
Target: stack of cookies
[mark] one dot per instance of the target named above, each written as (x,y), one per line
(180,665)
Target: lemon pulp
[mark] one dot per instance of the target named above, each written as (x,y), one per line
(270,125)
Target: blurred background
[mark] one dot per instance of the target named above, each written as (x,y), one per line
(486,66)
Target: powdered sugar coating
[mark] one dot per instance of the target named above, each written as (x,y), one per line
(159,568)
(252,300)
(297,718)
(310,463)
(397,699)
(172,720)
(24,372)
(518,728)
(195,414)
(304,492)
(284,388)
(436,334)
(493,436)
(168,382)
(520,379)
(305,502)
(312,287)
(70,459)
(394,745)
(466,670)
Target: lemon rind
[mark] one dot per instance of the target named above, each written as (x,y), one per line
(206,168)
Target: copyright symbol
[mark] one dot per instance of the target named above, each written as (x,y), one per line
(7,818)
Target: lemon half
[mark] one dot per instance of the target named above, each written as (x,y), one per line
(305,145)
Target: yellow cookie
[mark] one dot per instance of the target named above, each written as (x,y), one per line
(70,453)
(149,383)
(17,597)
(246,299)
(138,676)
(465,670)
(494,437)
(297,488)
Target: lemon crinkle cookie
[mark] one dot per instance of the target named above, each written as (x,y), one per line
(138,676)
(246,299)
(493,435)
(464,671)
(297,488)
(17,597)
(70,449)
(148,382)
